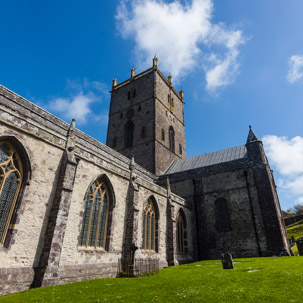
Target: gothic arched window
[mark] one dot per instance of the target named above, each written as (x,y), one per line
(150,225)
(11,174)
(97,215)
(129,134)
(181,232)
(222,215)
(171,139)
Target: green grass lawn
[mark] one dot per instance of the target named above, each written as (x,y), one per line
(296,230)
(278,279)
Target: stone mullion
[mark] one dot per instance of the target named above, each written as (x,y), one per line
(99,216)
(106,222)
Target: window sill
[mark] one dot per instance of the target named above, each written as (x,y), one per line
(91,249)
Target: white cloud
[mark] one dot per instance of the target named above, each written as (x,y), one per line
(77,107)
(287,157)
(79,104)
(182,36)
(299,201)
(295,71)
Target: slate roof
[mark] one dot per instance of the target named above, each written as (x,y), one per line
(209,159)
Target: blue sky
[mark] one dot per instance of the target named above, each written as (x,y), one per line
(238,62)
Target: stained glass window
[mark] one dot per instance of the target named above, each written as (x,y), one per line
(10,182)
(96,213)
(180,233)
(149,226)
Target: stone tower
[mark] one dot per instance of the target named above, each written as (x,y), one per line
(146,119)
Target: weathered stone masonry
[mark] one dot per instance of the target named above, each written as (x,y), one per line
(42,245)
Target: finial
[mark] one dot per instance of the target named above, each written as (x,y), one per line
(132,73)
(170,79)
(181,94)
(132,162)
(251,136)
(73,124)
(155,62)
(114,82)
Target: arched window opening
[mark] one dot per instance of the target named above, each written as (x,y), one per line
(171,139)
(129,134)
(150,226)
(162,134)
(97,215)
(181,232)
(222,215)
(11,174)
(180,149)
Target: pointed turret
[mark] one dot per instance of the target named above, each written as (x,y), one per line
(254,148)
(252,136)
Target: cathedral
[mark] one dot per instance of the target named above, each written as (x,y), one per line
(74,209)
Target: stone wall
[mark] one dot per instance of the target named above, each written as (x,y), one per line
(147,109)
(234,181)
(48,142)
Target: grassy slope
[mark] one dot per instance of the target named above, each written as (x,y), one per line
(278,280)
(296,230)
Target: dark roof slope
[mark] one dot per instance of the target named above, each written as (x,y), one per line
(209,159)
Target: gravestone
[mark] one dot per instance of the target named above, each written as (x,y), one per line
(300,246)
(227,261)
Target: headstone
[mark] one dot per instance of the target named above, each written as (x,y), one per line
(300,246)
(227,261)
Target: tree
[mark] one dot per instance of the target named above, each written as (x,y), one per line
(297,209)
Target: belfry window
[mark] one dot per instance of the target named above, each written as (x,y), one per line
(170,103)
(222,215)
(180,149)
(129,134)
(162,134)
(97,215)
(181,234)
(10,182)
(171,139)
(149,226)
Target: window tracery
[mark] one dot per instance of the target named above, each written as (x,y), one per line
(149,225)
(10,182)
(96,215)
